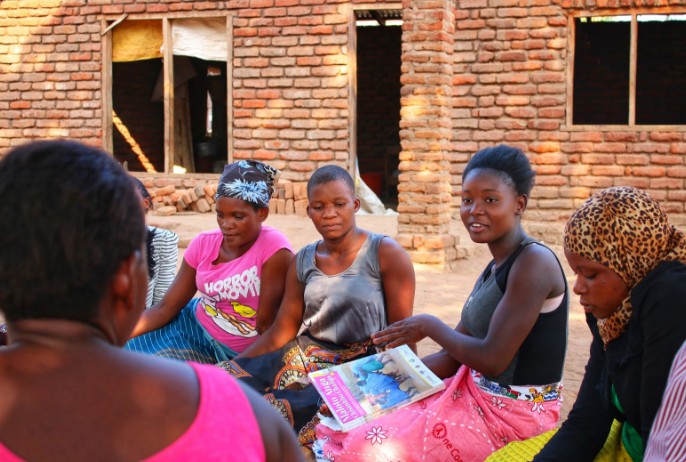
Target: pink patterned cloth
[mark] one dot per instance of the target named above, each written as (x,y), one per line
(464,422)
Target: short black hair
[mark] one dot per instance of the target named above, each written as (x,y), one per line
(70,217)
(145,194)
(509,162)
(329,173)
(141,188)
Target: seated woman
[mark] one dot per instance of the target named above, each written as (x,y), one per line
(239,270)
(503,362)
(339,291)
(163,253)
(73,279)
(631,281)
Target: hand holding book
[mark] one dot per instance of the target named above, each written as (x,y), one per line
(368,387)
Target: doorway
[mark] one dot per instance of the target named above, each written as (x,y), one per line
(378,101)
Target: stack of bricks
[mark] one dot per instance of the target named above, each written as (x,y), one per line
(291,198)
(168,199)
(171,196)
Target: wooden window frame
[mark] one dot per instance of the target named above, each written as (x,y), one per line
(633,59)
(108,23)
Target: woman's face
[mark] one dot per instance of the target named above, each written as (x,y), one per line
(239,222)
(332,208)
(600,290)
(490,206)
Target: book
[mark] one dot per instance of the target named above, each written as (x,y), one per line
(366,388)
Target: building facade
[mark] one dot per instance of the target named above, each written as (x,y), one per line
(401,92)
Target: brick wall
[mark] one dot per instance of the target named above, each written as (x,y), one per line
(507,84)
(510,87)
(49,71)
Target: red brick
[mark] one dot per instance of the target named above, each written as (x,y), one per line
(543,169)
(541,148)
(632,159)
(605,159)
(665,159)
(650,171)
(667,183)
(651,147)
(672,207)
(676,171)
(552,180)
(513,137)
(546,77)
(678,148)
(551,113)
(20,105)
(544,125)
(608,170)
(666,136)
(621,136)
(641,183)
(591,136)
(677,195)
(611,147)
(594,182)
(521,112)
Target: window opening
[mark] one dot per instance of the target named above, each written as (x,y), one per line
(196,140)
(661,70)
(378,64)
(629,69)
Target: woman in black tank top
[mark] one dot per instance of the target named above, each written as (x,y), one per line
(503,362)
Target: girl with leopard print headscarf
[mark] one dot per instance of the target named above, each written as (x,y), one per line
(631,281)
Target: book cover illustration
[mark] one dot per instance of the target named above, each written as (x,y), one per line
(360,390)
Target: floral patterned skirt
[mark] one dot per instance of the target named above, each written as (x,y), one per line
(467,421)
(281,377)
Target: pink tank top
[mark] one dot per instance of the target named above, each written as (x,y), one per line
(224,429)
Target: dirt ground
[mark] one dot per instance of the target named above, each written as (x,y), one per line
(439,292)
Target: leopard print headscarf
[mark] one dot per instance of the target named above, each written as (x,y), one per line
(626,230)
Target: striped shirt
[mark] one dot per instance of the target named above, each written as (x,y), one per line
(666,441)
(165,254)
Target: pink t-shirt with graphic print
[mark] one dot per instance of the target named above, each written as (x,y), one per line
(230,291)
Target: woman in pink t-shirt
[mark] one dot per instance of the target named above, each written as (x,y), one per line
(238,270)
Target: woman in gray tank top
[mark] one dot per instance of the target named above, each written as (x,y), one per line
(503,362)
(339,291)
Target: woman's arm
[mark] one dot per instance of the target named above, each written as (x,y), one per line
(166,244)
(397,275)
(535,276)
(441,363)
(272,287)
(179,294)
(280,442)
(584,432)
(288,319)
